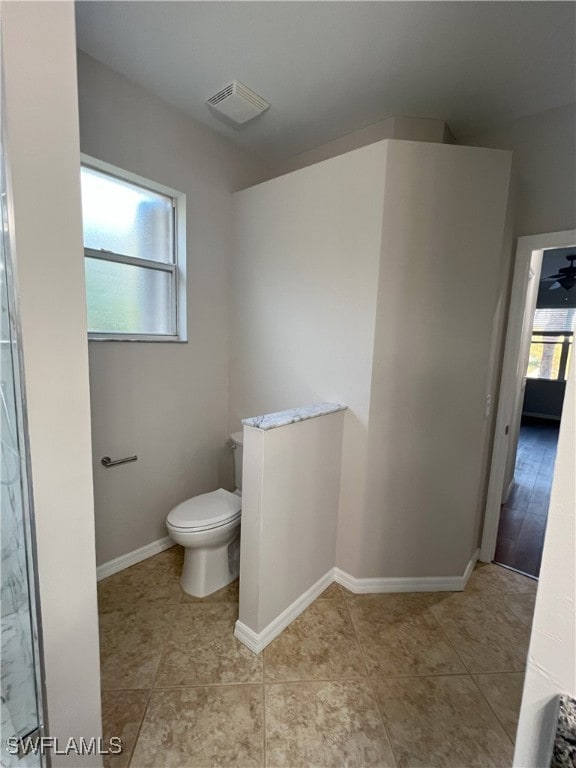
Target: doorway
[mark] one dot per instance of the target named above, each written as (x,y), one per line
(536,359)
(524,514)
(530,464)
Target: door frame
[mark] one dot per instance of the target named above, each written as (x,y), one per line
(510,376)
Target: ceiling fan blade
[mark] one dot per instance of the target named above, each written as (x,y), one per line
(552,277)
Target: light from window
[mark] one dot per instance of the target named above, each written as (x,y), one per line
(130,258)
(551,344)
(549,356)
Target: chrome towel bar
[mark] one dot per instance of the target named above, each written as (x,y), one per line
(107,461)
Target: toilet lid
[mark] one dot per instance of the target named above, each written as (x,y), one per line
(208,510)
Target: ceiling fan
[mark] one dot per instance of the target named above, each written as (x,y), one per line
(565,277)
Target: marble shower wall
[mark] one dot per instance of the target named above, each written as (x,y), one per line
(18,641)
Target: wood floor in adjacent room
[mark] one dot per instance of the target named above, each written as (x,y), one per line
(422,679)
(523,518)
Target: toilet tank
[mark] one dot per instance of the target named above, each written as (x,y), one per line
(237,439)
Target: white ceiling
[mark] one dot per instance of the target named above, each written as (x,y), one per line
(329,68)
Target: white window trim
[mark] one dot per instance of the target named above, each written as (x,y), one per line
(178,268)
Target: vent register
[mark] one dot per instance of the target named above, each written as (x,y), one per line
(238,103)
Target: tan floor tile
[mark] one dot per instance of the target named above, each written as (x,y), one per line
(521,606)
(319,644)
(441,722)
(324,725)
(489,577)
(202,728)
(334,590)
(122,713)
(131,642)
(152,633)
(399,635)
(228,594)
(486,634)
(202,649)
(172,557)
(504,694)
(347,594)
(155,580)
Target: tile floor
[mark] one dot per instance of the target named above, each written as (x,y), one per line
(523,518)
(422,680)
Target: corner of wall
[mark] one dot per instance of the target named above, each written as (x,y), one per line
(42,149)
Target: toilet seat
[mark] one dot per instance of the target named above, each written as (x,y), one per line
(207,511)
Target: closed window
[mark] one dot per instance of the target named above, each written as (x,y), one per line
(551,344)
(134,257)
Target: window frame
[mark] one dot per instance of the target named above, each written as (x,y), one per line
(566,346)
(177,268)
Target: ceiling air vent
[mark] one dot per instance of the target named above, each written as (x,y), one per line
(238,103)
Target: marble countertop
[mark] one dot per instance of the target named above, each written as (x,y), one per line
(564,754)
(293,415)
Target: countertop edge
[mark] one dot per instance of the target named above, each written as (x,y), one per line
(293,415)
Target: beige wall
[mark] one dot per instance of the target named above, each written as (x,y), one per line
(43,157)
(314,262)
(551,668)
(167,403)
(543,183)
(289,514)
(442,235)
(407,128)
(498,334)
(305,278)
(544,148)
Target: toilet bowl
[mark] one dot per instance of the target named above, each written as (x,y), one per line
(208,527)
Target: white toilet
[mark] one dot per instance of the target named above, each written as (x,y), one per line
(208,527)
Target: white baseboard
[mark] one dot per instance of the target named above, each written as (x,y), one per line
(416,584)
(131,558)
(257,641)
(470,567)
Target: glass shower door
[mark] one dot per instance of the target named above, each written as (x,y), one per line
(20,691)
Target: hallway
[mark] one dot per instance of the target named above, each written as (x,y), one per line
(523,517)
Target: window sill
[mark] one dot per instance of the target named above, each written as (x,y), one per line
(142,338)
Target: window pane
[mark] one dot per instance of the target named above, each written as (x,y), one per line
(558,319)
(122,298)
(125,218)
(550,338)
(544,360)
